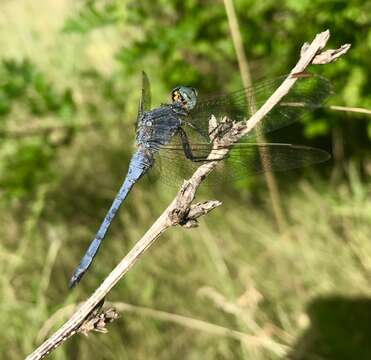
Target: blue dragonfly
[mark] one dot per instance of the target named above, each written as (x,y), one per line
(176,137)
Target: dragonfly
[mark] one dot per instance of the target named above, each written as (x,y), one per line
(175,136)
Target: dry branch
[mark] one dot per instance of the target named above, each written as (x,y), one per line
(180,211)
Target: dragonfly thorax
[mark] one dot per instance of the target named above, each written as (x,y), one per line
(157,127)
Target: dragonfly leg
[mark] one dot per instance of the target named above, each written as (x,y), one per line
(187,148)
(221,129)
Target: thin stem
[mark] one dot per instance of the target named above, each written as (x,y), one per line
(349,109)
(247,83)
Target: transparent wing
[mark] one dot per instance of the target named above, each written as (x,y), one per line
(308,91)
(145,98)
(243,159)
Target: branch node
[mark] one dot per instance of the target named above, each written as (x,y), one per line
(198,210)
(98,321)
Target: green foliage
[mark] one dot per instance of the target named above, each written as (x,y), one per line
(94,14)
(25,92)
(25,168)
(23,85)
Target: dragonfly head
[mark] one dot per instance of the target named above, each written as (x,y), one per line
(185,96)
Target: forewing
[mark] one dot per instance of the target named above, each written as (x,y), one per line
(308,92)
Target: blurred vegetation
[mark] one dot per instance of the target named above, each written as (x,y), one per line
(69,90)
